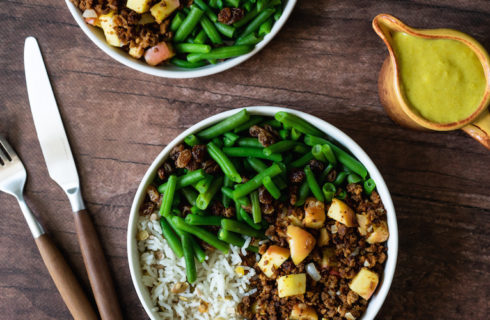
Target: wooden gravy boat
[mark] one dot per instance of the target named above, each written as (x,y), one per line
(392,96)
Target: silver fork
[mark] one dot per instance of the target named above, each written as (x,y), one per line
(12,180)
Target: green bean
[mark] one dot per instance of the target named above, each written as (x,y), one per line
(249,142)
(353,178)
(340,178)
(230,139)
(248,219)
(226,30)
(224,162)
(202,234)
(221,4)
(197,220)
(168,196)
(243,201)
(186,180)
(209,12)
(186,64)
(250,39)
(218,142)
(284,134)
(259,166)
(231,238)
(288,158)
(241,228)
(204,199)
(227,183)
(233,3)
(203,185)
(266,27)
(251,152)
(211,31)
(296,122)
(256,211)
(271,187)
(200,254)
(221,53)
(254,183)
(191,140)
(172,239)
(304,191)
(278,14)
(325,172)
(301,148)
(196,210)
(316,150)
(245,126)
(190,195)
(341,195)
(201,37)
(247,6)
(295,134)
(226,125)
(213,4)
(273,123)
(238,207)
(261,4)
(248,17)
(190,264)
(342,156)
(177,21)
(192,47)
(313,184)
(329,190)
(188,24)
(254,25)
(369,186)
(329,155)
(303,160)
(280,147)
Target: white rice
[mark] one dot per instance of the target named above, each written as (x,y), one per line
(217,284)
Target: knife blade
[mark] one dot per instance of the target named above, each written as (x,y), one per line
(62,169)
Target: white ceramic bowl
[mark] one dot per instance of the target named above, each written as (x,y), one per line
(169,71)
(341,138)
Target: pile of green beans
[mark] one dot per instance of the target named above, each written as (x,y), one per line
(246,166)
(201,39)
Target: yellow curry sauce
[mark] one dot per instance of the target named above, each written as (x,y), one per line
(442,79)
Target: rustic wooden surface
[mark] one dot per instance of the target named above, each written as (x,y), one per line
(325,61)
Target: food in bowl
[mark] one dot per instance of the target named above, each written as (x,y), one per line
(283,224)
(185,33)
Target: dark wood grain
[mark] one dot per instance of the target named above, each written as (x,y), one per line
(325,61)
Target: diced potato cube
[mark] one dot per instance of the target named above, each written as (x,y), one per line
(362,221)
(301,243)
(341,212)
(303,312)
(291,285)
(107,24)
(328,258)
(273,258)
(324,238)
(136,52)
(364,283)
(380,233)
(163,9)
(314,213)
(139,6)
(146,18)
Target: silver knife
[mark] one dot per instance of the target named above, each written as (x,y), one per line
(62,169)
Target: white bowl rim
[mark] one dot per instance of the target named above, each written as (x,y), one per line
(97,37)
(337,135)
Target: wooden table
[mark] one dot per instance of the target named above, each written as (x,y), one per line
(325,61)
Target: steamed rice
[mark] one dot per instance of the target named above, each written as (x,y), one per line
(218,284)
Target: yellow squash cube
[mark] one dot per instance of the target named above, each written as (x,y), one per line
(291,285)
(341,212)
(107,24)
(273,258)
(364,283)
(163,9)
(139,6)
(301,311)
(380,233)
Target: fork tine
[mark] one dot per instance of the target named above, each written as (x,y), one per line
(6,150)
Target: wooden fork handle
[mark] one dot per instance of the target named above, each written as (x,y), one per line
(97,269)
(64,279)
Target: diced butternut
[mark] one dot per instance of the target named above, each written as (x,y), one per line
(139,6)
(364,283)
(301,311)
(380,233)
(300,242)
(324,238)
(163,9)
(291,285)
(272,259)
(341,212)
(159,53)
(314,213)
(362,221)
(107,24)
(328,258)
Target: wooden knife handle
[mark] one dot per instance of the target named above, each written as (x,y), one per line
(64,279)
(97,269)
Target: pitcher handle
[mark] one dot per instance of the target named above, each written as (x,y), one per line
(480,129)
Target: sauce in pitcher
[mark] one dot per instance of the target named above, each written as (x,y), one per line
(442,79)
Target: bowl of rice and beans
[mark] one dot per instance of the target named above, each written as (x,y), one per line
(262,213)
